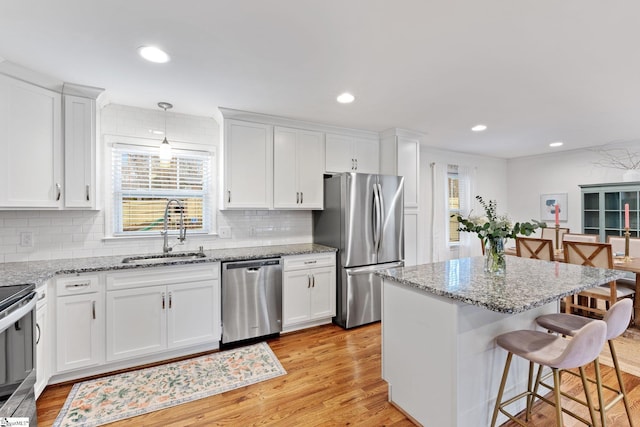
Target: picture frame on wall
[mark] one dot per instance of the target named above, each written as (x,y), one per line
(548,204)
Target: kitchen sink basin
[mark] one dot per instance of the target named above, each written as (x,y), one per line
(162,258)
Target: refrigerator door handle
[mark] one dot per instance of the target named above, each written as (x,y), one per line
(377,217)
(381,216)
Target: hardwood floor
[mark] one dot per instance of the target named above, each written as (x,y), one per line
(333,379)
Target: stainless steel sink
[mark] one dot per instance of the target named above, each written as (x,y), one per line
(162,258)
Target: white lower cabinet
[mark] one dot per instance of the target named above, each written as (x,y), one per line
(308,290)
(161,309)
(79,322)
(43,346)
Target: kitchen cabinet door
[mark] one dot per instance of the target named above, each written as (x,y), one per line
(248,165)
(366,153)
(43,346)
(285,169)
(137,322)
(323,293)
(310,161)
(298,170)
(79,152)
(80,331)
(345,153)
(30,146)
(295,297)
(191,315)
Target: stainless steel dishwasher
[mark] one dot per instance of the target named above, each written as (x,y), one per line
(251,299)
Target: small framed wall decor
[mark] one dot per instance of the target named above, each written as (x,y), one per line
(548,205)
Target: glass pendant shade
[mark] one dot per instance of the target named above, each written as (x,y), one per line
(165,151)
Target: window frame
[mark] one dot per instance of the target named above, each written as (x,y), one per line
(452,173)
(109,197)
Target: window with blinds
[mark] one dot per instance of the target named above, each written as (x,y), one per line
(142,185)
(453,188)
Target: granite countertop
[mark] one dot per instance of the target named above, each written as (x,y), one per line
(37,272)
(528,283)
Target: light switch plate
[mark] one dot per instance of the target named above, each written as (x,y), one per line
(26,239)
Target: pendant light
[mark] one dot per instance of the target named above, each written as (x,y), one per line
(165,147)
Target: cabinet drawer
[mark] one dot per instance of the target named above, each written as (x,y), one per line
(298,262)
(75,285)
(162,276)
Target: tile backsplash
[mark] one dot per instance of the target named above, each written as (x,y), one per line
(44,235)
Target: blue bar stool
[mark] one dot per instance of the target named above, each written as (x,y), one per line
(617,319)
(556,353)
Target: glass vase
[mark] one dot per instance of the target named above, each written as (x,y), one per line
(494,261)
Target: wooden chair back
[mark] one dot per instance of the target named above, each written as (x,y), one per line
(530,247)
(589,254)
(617,245)
(575,237)
(550,233)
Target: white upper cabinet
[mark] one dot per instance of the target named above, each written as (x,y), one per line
(346,153)
(80,147)
(30,146)
(248,165)
(400,155)
(297,172)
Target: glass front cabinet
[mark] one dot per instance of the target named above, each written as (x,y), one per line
(603,209)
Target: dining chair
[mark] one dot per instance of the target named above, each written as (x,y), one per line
(617,245)
(531,247)
(576,237)
(550,233)
(597,255)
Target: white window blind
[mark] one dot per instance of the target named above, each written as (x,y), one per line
(454,201)
(142,184)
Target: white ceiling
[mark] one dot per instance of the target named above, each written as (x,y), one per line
(533,71)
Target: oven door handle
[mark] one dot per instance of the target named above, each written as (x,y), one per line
(25,305)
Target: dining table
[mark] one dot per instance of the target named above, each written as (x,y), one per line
(630,264)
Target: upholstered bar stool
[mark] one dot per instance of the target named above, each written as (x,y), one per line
(556,353)
(617,319)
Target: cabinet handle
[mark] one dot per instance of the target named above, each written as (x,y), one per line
(77,285)
(353,164)
(311,262)
(297,197)
(308,281)
(88,190)
(170,304)
(93,310)
(313,281)
(39,333)
(228,196)
(301,197)
(58,191)
(356,164)
(163,300)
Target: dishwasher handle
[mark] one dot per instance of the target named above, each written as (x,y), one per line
(252,265)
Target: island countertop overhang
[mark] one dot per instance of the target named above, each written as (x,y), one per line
(526,284)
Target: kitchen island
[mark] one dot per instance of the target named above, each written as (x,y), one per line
(439,323)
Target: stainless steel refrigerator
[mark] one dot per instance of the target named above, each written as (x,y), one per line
(363,217)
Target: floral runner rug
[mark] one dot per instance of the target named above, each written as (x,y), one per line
(125,395)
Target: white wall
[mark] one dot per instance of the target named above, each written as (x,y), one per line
(561,172)
(76,234)
(491,183)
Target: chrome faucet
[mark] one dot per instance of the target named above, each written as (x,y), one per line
(183,231)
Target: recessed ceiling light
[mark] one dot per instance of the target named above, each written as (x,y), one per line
(556,144)
(346,98)
(153,54)
(479,128)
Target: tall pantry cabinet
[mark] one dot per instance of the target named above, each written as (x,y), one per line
(400,155)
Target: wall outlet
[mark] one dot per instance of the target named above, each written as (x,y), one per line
(26,239)
(224,232)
